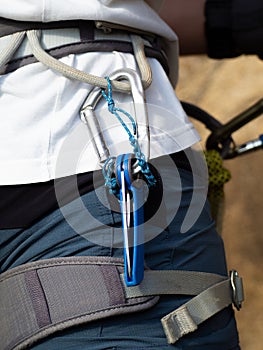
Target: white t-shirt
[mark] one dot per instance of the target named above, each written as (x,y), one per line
(42,136)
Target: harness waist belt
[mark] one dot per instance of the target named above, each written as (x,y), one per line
(73,37)
(40,298)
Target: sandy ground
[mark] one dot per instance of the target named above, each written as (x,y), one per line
(225,88)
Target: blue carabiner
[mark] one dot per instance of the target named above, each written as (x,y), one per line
(132,212)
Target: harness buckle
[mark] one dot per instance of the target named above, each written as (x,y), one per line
(237,289)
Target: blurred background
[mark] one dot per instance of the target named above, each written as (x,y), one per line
(224,88)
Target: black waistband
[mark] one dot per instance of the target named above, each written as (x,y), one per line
(22,205)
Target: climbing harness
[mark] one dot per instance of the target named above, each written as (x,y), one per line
(43,297)
(37,298)
(24,43)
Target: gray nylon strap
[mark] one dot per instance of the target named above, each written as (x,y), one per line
(186,318)
(213,293)
(40,298)
(172,282)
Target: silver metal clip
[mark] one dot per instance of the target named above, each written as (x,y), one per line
(88,116)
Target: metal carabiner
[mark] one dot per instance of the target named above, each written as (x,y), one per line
(88,116)
(132,212)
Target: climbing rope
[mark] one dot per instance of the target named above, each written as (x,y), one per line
(14,43)
(72,73)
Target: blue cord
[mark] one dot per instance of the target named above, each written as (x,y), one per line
(108,168)
(114,110)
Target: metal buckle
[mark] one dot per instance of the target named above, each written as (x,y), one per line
(237,289)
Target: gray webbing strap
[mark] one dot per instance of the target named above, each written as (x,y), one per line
(212,294)
(40,298)
(159,282)
(186,318)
